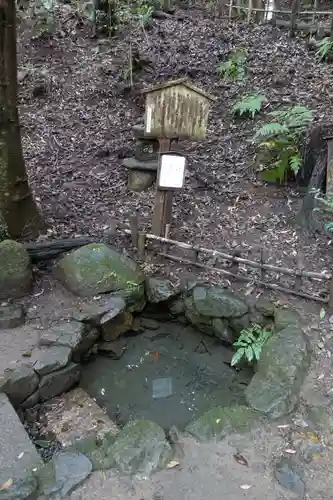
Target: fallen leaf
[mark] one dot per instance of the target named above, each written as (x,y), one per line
(246,486)
(321,376)
(172,464)
(6,485)
(218,420)
(322,313)
(283,426)
(240,459)
(290,451)
(20,455)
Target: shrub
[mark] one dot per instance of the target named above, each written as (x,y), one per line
(250,343)
(234,69)
(282,138)
(324,48)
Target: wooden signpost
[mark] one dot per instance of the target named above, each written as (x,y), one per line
(174,110)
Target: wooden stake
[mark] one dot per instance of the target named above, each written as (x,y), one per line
(262,262)
(329,168)
(299,275)
(249,12)
(134,229)
(293,17)
(142,245)
(235,263)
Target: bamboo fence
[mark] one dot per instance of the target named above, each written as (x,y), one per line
(140,240)
(293,14)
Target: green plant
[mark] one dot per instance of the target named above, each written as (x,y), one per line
(234,68)
(327,201)
(250,343)
(144,15)
(324,48)
(282,138)
(250,105)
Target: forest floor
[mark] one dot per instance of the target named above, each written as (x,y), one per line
(77,112)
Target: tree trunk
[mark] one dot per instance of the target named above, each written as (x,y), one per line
(17,205)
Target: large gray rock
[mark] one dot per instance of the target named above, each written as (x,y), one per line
(159,290)
(60,381)
(281,370)
(220,421)
(18,382)
(96,268)
(215,301)
(64,472)
(79,337)
(15,270)
(141,448)
(18,456)
(284,317)
(51,359)
(93,313)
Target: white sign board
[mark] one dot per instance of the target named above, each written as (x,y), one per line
(171,174)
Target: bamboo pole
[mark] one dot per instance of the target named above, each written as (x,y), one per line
(249,11)
(287,12)
(271,286)
(240,260)
(293,17)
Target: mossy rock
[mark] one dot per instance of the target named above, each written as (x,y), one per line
(97,450)
(284,317)
(141,448)
(15,270)
(96,268)
(218,422)
(281,370)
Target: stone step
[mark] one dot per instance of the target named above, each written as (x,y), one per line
(74,415)
(18,456)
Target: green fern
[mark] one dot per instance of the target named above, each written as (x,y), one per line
(324,48)
(233,69)
(250,344)
(282,138)
(250,105)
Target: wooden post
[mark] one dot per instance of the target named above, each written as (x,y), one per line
(134,229)
(298,279)
(293,20)
(249,12)
(231,6)
(234,264)
(262,262)
(163,200)
(330,297)
(142,245)
(329,168)
(331,33)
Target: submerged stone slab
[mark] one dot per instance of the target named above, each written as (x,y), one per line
(18,382)
(18,456)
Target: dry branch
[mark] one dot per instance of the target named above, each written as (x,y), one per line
(271,286)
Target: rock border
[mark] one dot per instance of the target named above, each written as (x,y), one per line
(54,367)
